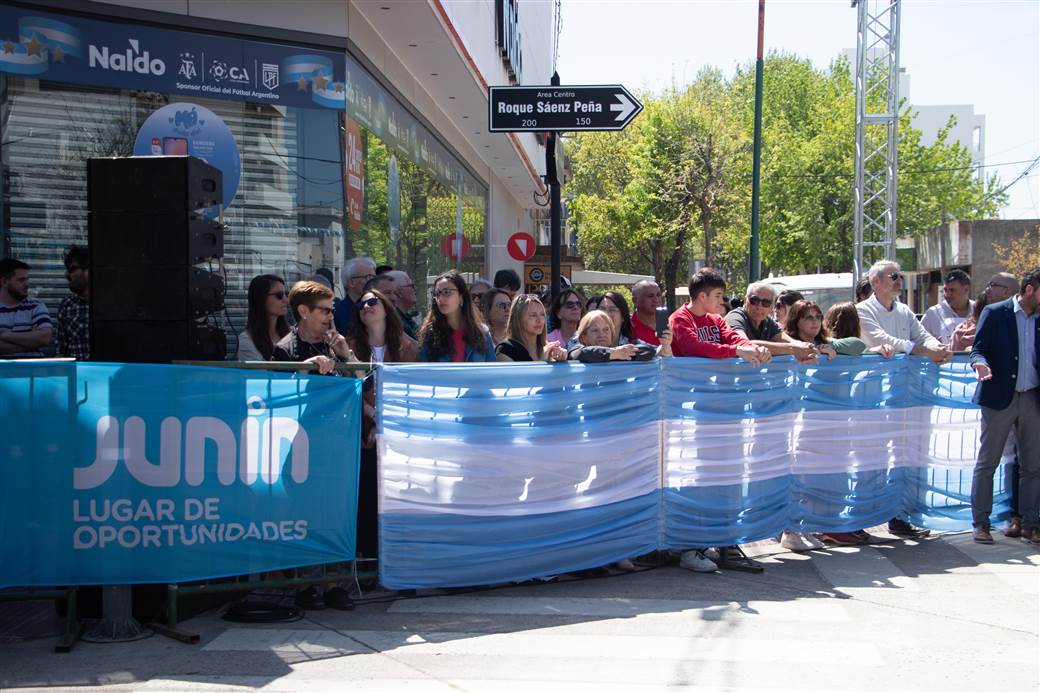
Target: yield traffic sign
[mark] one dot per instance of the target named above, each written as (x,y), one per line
(521,246)
(561,108)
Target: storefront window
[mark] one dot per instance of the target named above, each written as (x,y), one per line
(286,217)
(329,165)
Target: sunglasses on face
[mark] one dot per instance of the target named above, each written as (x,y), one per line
(895,276)
(324,309)
(756,301)
(368,303)
(277,294)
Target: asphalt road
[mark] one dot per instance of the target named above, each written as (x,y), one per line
(939,614)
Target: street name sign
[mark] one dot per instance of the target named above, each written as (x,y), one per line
(561,108)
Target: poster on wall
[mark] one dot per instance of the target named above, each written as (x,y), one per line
(65,48)
(188,129)
(354,180)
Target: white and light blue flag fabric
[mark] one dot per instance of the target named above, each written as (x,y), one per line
(128,473)
(492,473)
(505,472)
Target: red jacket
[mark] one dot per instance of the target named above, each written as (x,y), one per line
(707,335)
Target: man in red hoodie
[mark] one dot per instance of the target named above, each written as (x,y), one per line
(698,331)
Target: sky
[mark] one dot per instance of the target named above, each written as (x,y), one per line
(980,52)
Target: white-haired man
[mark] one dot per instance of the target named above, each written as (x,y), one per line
(884,320)
(355,274)
(404,289)
(752,321)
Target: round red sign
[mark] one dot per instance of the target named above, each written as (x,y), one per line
(521,246)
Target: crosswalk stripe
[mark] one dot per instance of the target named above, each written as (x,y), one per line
(546,644)
(853,569)
(1012,561)
(808,611)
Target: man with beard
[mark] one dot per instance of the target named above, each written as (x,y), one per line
(25,324)
(74,311)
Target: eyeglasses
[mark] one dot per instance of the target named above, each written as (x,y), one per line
(815,317)
(368,303)
(756,301)
(366,277)
(503,305)
(994,285)
(572,304)
(895,276)
(277,294)
(445,292)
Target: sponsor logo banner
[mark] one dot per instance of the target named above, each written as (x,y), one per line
(143,473)
(84,51)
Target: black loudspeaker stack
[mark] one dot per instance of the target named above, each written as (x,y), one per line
(150,300)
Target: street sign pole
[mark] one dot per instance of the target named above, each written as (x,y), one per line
(555,109)
(555,211)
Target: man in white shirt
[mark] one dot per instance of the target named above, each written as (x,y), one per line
(943,318)
(884,320)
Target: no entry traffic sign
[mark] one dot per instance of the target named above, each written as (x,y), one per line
(453,248)
(521,246)
(559,108)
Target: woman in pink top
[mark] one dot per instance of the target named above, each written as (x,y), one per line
(565,314)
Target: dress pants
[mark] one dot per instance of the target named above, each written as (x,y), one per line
(1023,416)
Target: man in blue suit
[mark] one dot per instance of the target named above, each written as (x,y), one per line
(1006,359)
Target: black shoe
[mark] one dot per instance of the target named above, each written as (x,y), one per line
(902,528)
(310,598)
(734,558)
(338,598)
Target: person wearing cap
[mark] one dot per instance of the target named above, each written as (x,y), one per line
(943,319)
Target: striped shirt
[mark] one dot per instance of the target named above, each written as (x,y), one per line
(26,316)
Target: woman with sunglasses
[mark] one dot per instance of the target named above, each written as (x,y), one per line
(265,320)
(495,305)
(453,330)
(377,334)
(805,324)
(314,339)
(527,333)
(566,313)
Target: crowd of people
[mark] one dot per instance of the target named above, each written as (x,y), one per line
(375,321)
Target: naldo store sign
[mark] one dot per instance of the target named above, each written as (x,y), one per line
(125,473)
(64,48)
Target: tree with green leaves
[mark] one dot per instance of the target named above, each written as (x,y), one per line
(676,184)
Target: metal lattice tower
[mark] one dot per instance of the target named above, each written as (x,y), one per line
(877,131)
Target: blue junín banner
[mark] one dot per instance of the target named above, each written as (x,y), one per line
(507,472)
(64,48)
(144,473)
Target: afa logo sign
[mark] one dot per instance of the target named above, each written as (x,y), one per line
(187,128)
